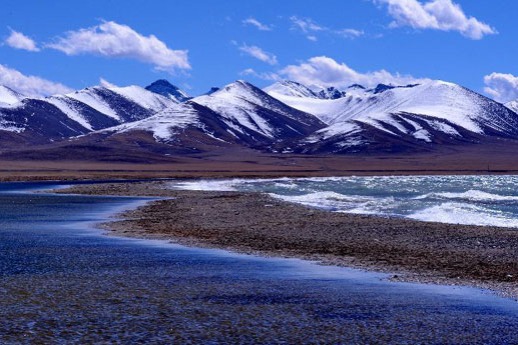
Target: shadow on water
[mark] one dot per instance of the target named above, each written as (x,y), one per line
(61,281)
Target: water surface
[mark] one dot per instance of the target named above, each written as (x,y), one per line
(62,282)
(474,200)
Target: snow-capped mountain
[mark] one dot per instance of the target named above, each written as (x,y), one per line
(290,89)
(239,114)
(284,117)
(432,112)
(166,89)
(123,104)
(293,89)
(8,96)
(249,111)
(62,116)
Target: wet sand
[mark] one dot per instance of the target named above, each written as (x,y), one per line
(256,223)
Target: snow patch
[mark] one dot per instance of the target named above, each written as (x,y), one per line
(93,100)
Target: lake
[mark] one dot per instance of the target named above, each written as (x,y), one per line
(63,282)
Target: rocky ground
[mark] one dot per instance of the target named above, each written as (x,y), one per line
(251,222)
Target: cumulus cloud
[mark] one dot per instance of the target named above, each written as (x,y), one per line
(325,71)
(29,85)
(115,40)
(442,15)
(503,87)
(259,54)
(260,26)
(18,40)
(310,28)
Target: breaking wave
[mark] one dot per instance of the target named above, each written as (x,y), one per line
(457,213)
(473,195)
(470,200)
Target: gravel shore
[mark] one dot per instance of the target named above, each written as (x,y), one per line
(256,223)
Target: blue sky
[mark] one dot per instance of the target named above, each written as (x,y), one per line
(200,44)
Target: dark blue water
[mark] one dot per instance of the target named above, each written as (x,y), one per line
(62,282)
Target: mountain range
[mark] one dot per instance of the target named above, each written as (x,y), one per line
(286,117)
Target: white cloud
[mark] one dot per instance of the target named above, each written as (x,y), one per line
(442,15)
(501,86)
(309,27)
(18,40)
(306,25)
(261,75)
(325,71)
(259,54)
(257,24)
(29,85)
(111,39)
(350,33)
(105,83)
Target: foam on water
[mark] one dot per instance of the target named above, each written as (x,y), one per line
(459,213)
(475,200)
(475,195)
(207,185)
(325,200)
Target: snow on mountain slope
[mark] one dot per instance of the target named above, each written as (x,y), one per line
(238,114)
(71,109)
(9,96)
(294,89)
(98,107)
(91,97)
(119,104)
(144,98)
(164,124)
(77,113)
(513,105)
(437,101)
(291,89)
(244,107)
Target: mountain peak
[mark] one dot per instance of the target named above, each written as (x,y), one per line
(291,88)
(331,93)
(165,88)
(382,88)
(212,90)
(239,87)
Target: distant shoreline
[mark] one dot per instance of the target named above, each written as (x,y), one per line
(256,223)
(496,159)
(89,175)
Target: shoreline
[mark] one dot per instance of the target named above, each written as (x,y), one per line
(109,175)
(254,223)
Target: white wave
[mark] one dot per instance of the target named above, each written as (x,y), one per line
(286,185)
(474,195)
(206,185)
(458,213)
(224,185)
(346,194)
(316,199)
(339,202)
